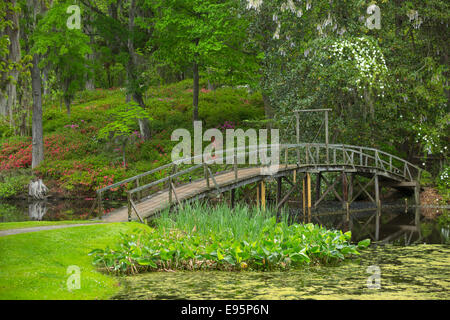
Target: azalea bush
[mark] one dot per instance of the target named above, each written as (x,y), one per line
(198,237)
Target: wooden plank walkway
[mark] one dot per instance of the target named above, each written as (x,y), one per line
(160,201)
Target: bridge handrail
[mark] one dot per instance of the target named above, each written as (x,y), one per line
(246,151)
(356,149)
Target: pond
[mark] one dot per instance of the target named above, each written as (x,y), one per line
(50,210)
(410,257)
(413,272)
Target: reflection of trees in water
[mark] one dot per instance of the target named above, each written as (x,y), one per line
(37,210)
(11,213)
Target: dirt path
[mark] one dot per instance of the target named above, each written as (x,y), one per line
(43,228)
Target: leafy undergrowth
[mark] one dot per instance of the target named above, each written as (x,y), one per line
(204,238)
(78,162)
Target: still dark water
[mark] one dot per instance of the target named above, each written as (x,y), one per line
(50,210)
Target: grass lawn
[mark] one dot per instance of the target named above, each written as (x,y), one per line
(32,224)
(34,265)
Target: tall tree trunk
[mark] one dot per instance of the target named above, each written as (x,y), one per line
(13,33)
(196,91)
(37,130)
(67,103)
(36,7)
(90,78)
(144,124)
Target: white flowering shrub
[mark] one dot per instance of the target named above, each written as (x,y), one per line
(366,57)
(443,183)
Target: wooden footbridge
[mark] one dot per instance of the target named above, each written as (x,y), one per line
(357,171)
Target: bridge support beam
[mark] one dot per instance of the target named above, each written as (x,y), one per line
(318,186)
(417,200)
(377,195)
(263,195)
(279,187)
(344,190)
(233,198)
(307,201)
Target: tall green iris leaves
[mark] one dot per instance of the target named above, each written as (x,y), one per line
(198,237)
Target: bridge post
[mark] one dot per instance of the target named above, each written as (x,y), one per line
(129,206)
(258,193)
(377,195)
(417,200)
(308,187)
(170,191)
(377,227)
(205,170)
(137,186)
(344,190)
(263,195)
(350,188)
(304,197)
(235,165)
(318,186)
(233,198)
(279,186)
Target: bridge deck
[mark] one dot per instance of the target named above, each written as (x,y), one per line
(225,181)
(160,201)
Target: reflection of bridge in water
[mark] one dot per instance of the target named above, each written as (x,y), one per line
(397,224)
(347,172)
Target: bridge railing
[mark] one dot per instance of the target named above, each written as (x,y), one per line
(232,160)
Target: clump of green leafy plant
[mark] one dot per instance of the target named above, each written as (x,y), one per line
(198,237)
(13,185)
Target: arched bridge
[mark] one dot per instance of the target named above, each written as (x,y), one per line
(178,182)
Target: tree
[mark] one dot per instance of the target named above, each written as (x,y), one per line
(36,9)
(63,49)
(117,26)
(200,33)
(122,128)
(13,64)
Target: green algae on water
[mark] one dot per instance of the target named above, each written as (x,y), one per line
(414,272)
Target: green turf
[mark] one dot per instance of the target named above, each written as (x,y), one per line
(32,224)
(34,265)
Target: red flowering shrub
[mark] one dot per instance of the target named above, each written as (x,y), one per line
(17,154)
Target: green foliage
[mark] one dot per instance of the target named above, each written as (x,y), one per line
(171,106)
(210,33)
(200,237)
(63,49)
(125,121)
(426,178)
(14,185)
(443,183)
